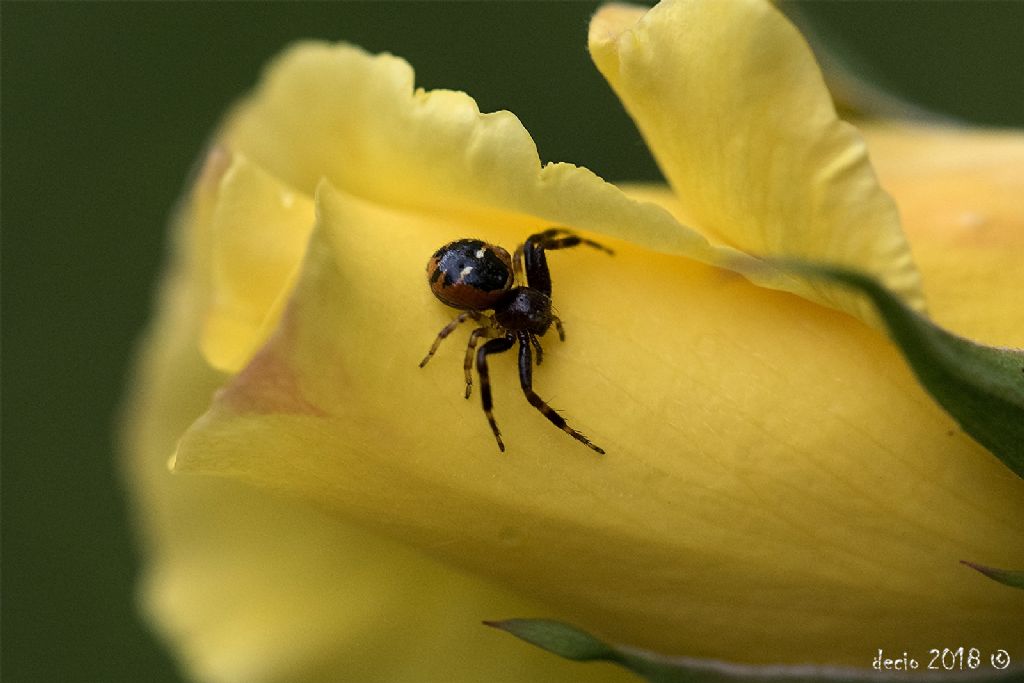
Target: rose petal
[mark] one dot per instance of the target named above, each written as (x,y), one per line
(733,106)
(774,475)
(959,191)
(259,232)
(211,537)
(254,588)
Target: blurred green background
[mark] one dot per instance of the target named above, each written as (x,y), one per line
(105,106)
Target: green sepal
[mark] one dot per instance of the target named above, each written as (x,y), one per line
(578,645)
(1009,577)
(981,387)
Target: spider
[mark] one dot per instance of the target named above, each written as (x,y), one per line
(475,277)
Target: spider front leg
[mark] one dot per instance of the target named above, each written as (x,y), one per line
(562,238)
(493,346)
(534,261)
(517,264)
(446,330)
(526,380)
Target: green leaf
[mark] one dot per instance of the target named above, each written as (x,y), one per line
(572,643)
(981,387)
(1010,577)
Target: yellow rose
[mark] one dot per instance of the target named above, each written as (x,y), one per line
(777,487)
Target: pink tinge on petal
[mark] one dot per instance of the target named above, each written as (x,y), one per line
(266,386)
(215,165)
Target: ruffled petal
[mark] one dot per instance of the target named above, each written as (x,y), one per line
(335,112)
(733,106)
(354,119)
(774,475)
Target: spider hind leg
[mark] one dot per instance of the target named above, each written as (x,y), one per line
(445,331)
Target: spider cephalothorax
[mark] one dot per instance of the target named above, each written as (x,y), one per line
(477,277)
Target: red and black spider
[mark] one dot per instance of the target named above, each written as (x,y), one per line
(475,277)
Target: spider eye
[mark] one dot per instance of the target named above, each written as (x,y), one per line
(470,274)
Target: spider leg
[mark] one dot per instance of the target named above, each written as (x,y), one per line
(537,274)
(517,264)
(470,347)
(446,330)
(537,347)
(558,326)
(563,238)
(526,380)
(493,346)
(536,263)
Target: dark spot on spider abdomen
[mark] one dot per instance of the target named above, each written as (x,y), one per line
(524,308)
(470,274)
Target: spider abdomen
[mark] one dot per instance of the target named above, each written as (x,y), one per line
(524,309)
(470,274)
